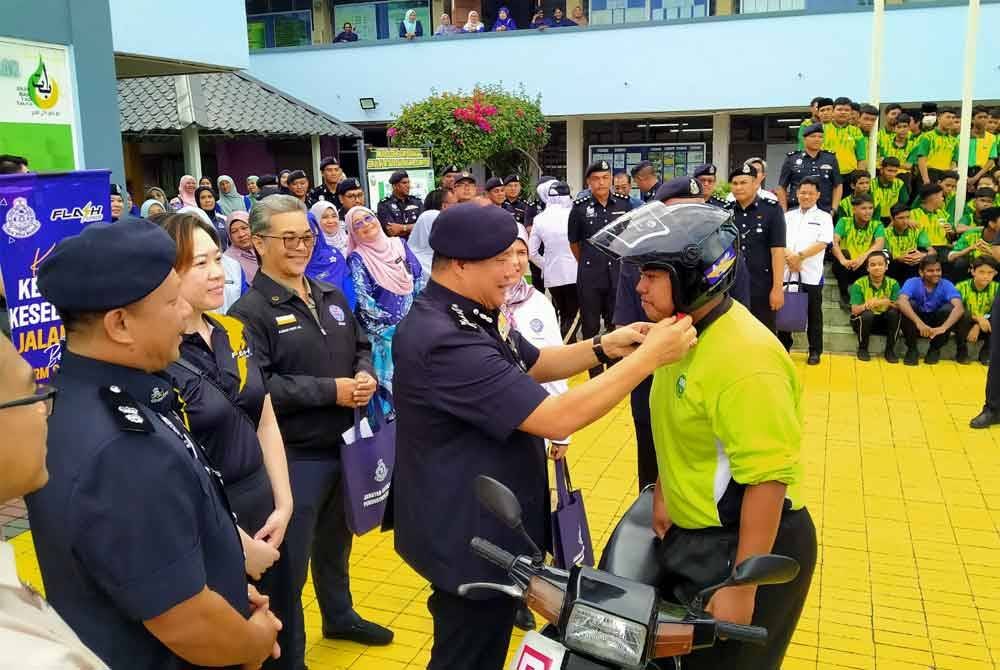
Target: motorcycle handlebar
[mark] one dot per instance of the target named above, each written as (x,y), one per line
(492,553)
(741,633)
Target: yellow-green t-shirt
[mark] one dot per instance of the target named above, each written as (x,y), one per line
(977,303)
(862,291)
(887,147)
(886,197)
(856,241)
(969,239)
(719,418)
(932,223)
(901,243)
(844,142)
(938,147)
(981,150)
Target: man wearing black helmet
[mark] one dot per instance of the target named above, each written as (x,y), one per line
(726,428)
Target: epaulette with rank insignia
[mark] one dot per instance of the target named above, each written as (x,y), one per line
(461,318)
(619,196)
(126,412)
(583,199)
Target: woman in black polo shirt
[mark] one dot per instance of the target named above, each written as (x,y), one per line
(228,410)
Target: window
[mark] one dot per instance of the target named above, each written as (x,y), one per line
(278,23)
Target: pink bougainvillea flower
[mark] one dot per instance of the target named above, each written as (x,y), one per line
(392,132)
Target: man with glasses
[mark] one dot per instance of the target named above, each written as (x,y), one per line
(317,367)
(349,194)
(134,537)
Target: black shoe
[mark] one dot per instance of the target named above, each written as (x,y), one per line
(813,358)
(524,619)
(985,419)
(863,355)
(363,632)
(933,356)
(912,357)
(890,356)
(984,355)
(961,356)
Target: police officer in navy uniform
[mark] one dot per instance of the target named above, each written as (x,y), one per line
(628,309)
(332,174)
(514,201)
(134,535)
(597,274)
(762,238)
(707,176)
(812,161)
(398,212)
(469,402)
(349,194)
(448,175)
(647,180)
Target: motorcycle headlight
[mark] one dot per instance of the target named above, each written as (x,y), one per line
(606,636)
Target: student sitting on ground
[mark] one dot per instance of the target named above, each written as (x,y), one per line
(873,307)
(931,306)
(932,218)
(853,240)
(906,245)
(978,294)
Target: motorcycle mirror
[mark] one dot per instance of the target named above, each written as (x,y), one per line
(499,500)
(758,570)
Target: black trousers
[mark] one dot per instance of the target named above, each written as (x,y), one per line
(470,633)
(567,304)
(596,304)
(910,332)
(962,329)
(760,307)
(740,291)
(648,470)
(900,271)
(993,372)
(846,277)
(814,331)
(886,323)
(537,280)
(776,608)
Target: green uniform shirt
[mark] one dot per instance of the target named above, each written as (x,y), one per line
(863,290)
(969,239)
(901,243)
(886,197)
(981,150)
(719,418)
(938,147)
(844,143)
(856,241)
(976,302)
(887,147)
(949,206)
(846,209)
(932,223)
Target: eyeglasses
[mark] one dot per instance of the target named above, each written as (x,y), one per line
(43,393)
(292,242)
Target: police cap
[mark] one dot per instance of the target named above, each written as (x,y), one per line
(465,176)
(450,169)
(812,129)
(597,166)
(398,176)
(349,184)
(297,174)
(329,160)
(116,189)
(511,179)
(492,183)
(678,187)
(107,266)
(267,180)
(706,170)
(473,231)
(745,170)
(640,167)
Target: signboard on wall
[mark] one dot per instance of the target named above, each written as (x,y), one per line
(669,159)
(382,162)
(38,104)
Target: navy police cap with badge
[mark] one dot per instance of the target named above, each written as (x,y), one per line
(745,170)
(492,183)
(812,129)
(326,162)
(107,266)
(465,175)
(706,170)
(679,187)
(398,176)
(511,179)
(450,169)
(597,166)
(349,184)
(473,231)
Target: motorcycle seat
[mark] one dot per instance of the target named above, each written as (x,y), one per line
(631,550)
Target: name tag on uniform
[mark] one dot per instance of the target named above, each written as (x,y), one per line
(285,319)
(503,325)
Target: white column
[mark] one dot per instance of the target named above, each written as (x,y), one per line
(574,154)
(968,74)
(316,150)
(875,83)
(192,151)
(720,142)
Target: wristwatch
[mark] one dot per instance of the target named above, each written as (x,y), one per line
(599,352)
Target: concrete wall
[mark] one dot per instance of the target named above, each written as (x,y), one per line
(735,62)
(212,32)
(86,25)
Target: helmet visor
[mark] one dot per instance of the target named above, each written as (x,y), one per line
(655,229)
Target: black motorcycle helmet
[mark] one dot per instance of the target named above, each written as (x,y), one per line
(697,244)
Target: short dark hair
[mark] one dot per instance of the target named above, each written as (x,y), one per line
(928,260)
(440,261)
(869,109)
(620,173)
(927,190)
(812,181)
(904,118)
(435,199)
(980,109)
(898,209)
(855,106)
(995,112)
(990,214)
(856,175)
(984,260)
(891,161)
(985,192)
(881,253)
(816,101)
(842,101)
(893,105)
(11,164)
(862,198)
(950,174)
(948,110)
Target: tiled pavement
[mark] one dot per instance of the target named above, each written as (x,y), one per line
(905,497)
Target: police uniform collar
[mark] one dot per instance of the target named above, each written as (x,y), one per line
(277,294)
(152,390)
(456,302)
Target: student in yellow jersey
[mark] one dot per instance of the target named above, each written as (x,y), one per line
(854,239)
(982,147)
(840,137)
(978,294)
(935,148)
(931,217)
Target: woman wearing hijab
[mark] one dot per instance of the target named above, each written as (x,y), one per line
(252,189)
(241,244)
(205,181)
(387,276)
(445,26)
(230,200)
(419,242)
(549,230)
(157,193)
(473,25)
(579,18)
(151,207)
(504,21)
(328,263)
(205,197)
(331,226)
(410,26)
(185,193)
(283,181)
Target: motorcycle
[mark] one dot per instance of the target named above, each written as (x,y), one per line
(602,620)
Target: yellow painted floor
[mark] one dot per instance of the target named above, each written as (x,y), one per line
(905,497)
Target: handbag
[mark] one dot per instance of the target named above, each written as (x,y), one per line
(368,464)
(571,543)
(793,317)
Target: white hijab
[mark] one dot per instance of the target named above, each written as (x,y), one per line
(473,27)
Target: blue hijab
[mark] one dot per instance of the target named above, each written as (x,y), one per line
(508,23)
(328,264)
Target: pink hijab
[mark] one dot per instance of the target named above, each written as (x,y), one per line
(187,196)
(385,257)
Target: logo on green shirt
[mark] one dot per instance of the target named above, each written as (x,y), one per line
(682,383)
